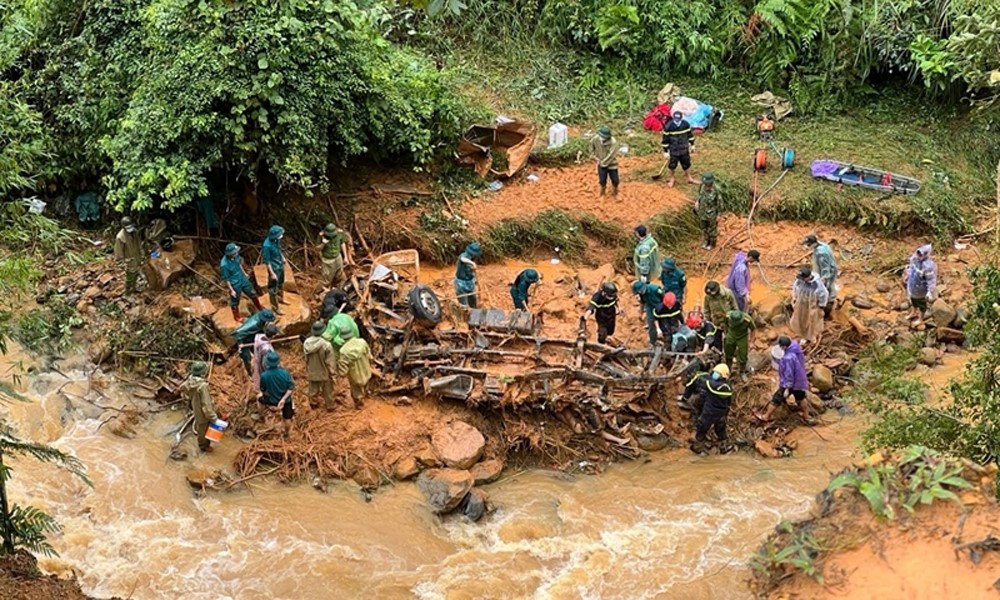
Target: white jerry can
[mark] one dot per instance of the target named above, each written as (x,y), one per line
(558,135)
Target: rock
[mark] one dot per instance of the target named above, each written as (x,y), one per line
(200,478)
(290,285)
(427,458)
(903,305)
(591,279)
(458,444)
(822,378)
(862,302)
(961,318)
(295,318)
(951,348)
(883,286)
(367,477)
(444,489)
(766,449)
(779,320)
(771,306)
(92,292)
(652,443)
(950,336)
(99,353)
(170,266)
(406,468)
(474,504)
(928,356)
(487,471)
(758,362)
(942,313)
(815,402)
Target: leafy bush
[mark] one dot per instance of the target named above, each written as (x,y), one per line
(48,329)
(150,344)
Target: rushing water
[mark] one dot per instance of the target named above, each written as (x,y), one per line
(677,526)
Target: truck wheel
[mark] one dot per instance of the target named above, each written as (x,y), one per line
(424,304)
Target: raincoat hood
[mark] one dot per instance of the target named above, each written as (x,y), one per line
(924,251)
(275,232)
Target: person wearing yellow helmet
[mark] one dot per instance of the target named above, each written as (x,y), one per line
(716,396)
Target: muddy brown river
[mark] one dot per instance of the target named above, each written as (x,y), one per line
(677,526)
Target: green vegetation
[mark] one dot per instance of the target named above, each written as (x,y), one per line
(49,329)
(151,344)
(796,549)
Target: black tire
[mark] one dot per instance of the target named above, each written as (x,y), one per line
(424,304)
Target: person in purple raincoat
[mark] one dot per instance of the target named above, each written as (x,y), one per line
(793,383)
(739,277)
(920,280)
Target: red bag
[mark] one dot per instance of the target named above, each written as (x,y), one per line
(657,117)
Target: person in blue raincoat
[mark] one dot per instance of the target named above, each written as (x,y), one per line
(825,265)
(274,258)
(465,275)
(519,289)
(920,279)
(650,296)
(237,282)
(673,279)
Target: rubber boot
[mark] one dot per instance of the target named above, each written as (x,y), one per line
(281,296)
(236,314)
(274,303)
(603,188)
(614,191)
(256,303)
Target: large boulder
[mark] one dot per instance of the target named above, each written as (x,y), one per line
(862,302)
(295,317)
(260,272)
(169,266)
(822,378)
(487,471)
(406,468)
(771,306)
(942,313)
(591,279)
(928,356)
(474,505)
(758,362)
(444,488)
(458,444)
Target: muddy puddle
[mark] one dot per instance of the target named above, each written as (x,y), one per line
(678,526)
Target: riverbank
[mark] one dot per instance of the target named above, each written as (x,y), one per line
(20,579)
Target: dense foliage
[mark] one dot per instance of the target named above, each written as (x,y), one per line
(157,94)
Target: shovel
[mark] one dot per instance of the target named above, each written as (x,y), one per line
(662,169)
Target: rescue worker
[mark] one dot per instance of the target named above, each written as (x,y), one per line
(719,301)
(716,396)
(697,374)
(231,268)
(604,306)
(245,333)
(195,390)
(678,143)
(739,277)
(646,257)
(809,298)
(605,150)
(128,252)
(920,279)
(465,275)
(334,326)
(275,390)
(668,316)
(825,265)
(274,258)
(519,288)
(354,362)
(707,332)
(88,209)
(673,279)
(650,295)
(334,301)
(793,382)
(706,208)
(321,366)
(261,346)
(739,325)
(335,253)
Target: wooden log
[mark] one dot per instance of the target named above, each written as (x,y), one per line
(858,325)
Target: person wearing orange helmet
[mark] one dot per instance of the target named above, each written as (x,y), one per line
(668,316)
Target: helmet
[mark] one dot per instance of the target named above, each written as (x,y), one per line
(637,287)
(708,177)
(275,232)
(604,132)
(721,369)
(346,331)
(271,359)
(734,316)
(712,287)
(128,224)
(810,240)
(668,264)
(694,320)
(610,289)
(267,314)
(330,230)
(232,249)
(531,275)
(805,272)
(198,368)
(669,299)
(317,327)
(474,250)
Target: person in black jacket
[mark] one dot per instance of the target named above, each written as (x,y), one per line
(716,396)
(678,142)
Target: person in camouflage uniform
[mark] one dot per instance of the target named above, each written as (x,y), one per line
(706,206)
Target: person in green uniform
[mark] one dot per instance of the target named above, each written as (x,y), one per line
(274,258)
(321,366)
(737,340)
(646,257)
(335,254)
(88,209)
(519,289)
(354,362)
(245,333)
(650,295)
(673,279)
(719,300)
(128,251)
(333,327)
(465,275)
(195,391)
(275,392)
(706,206)
(231,267)
(605,150)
